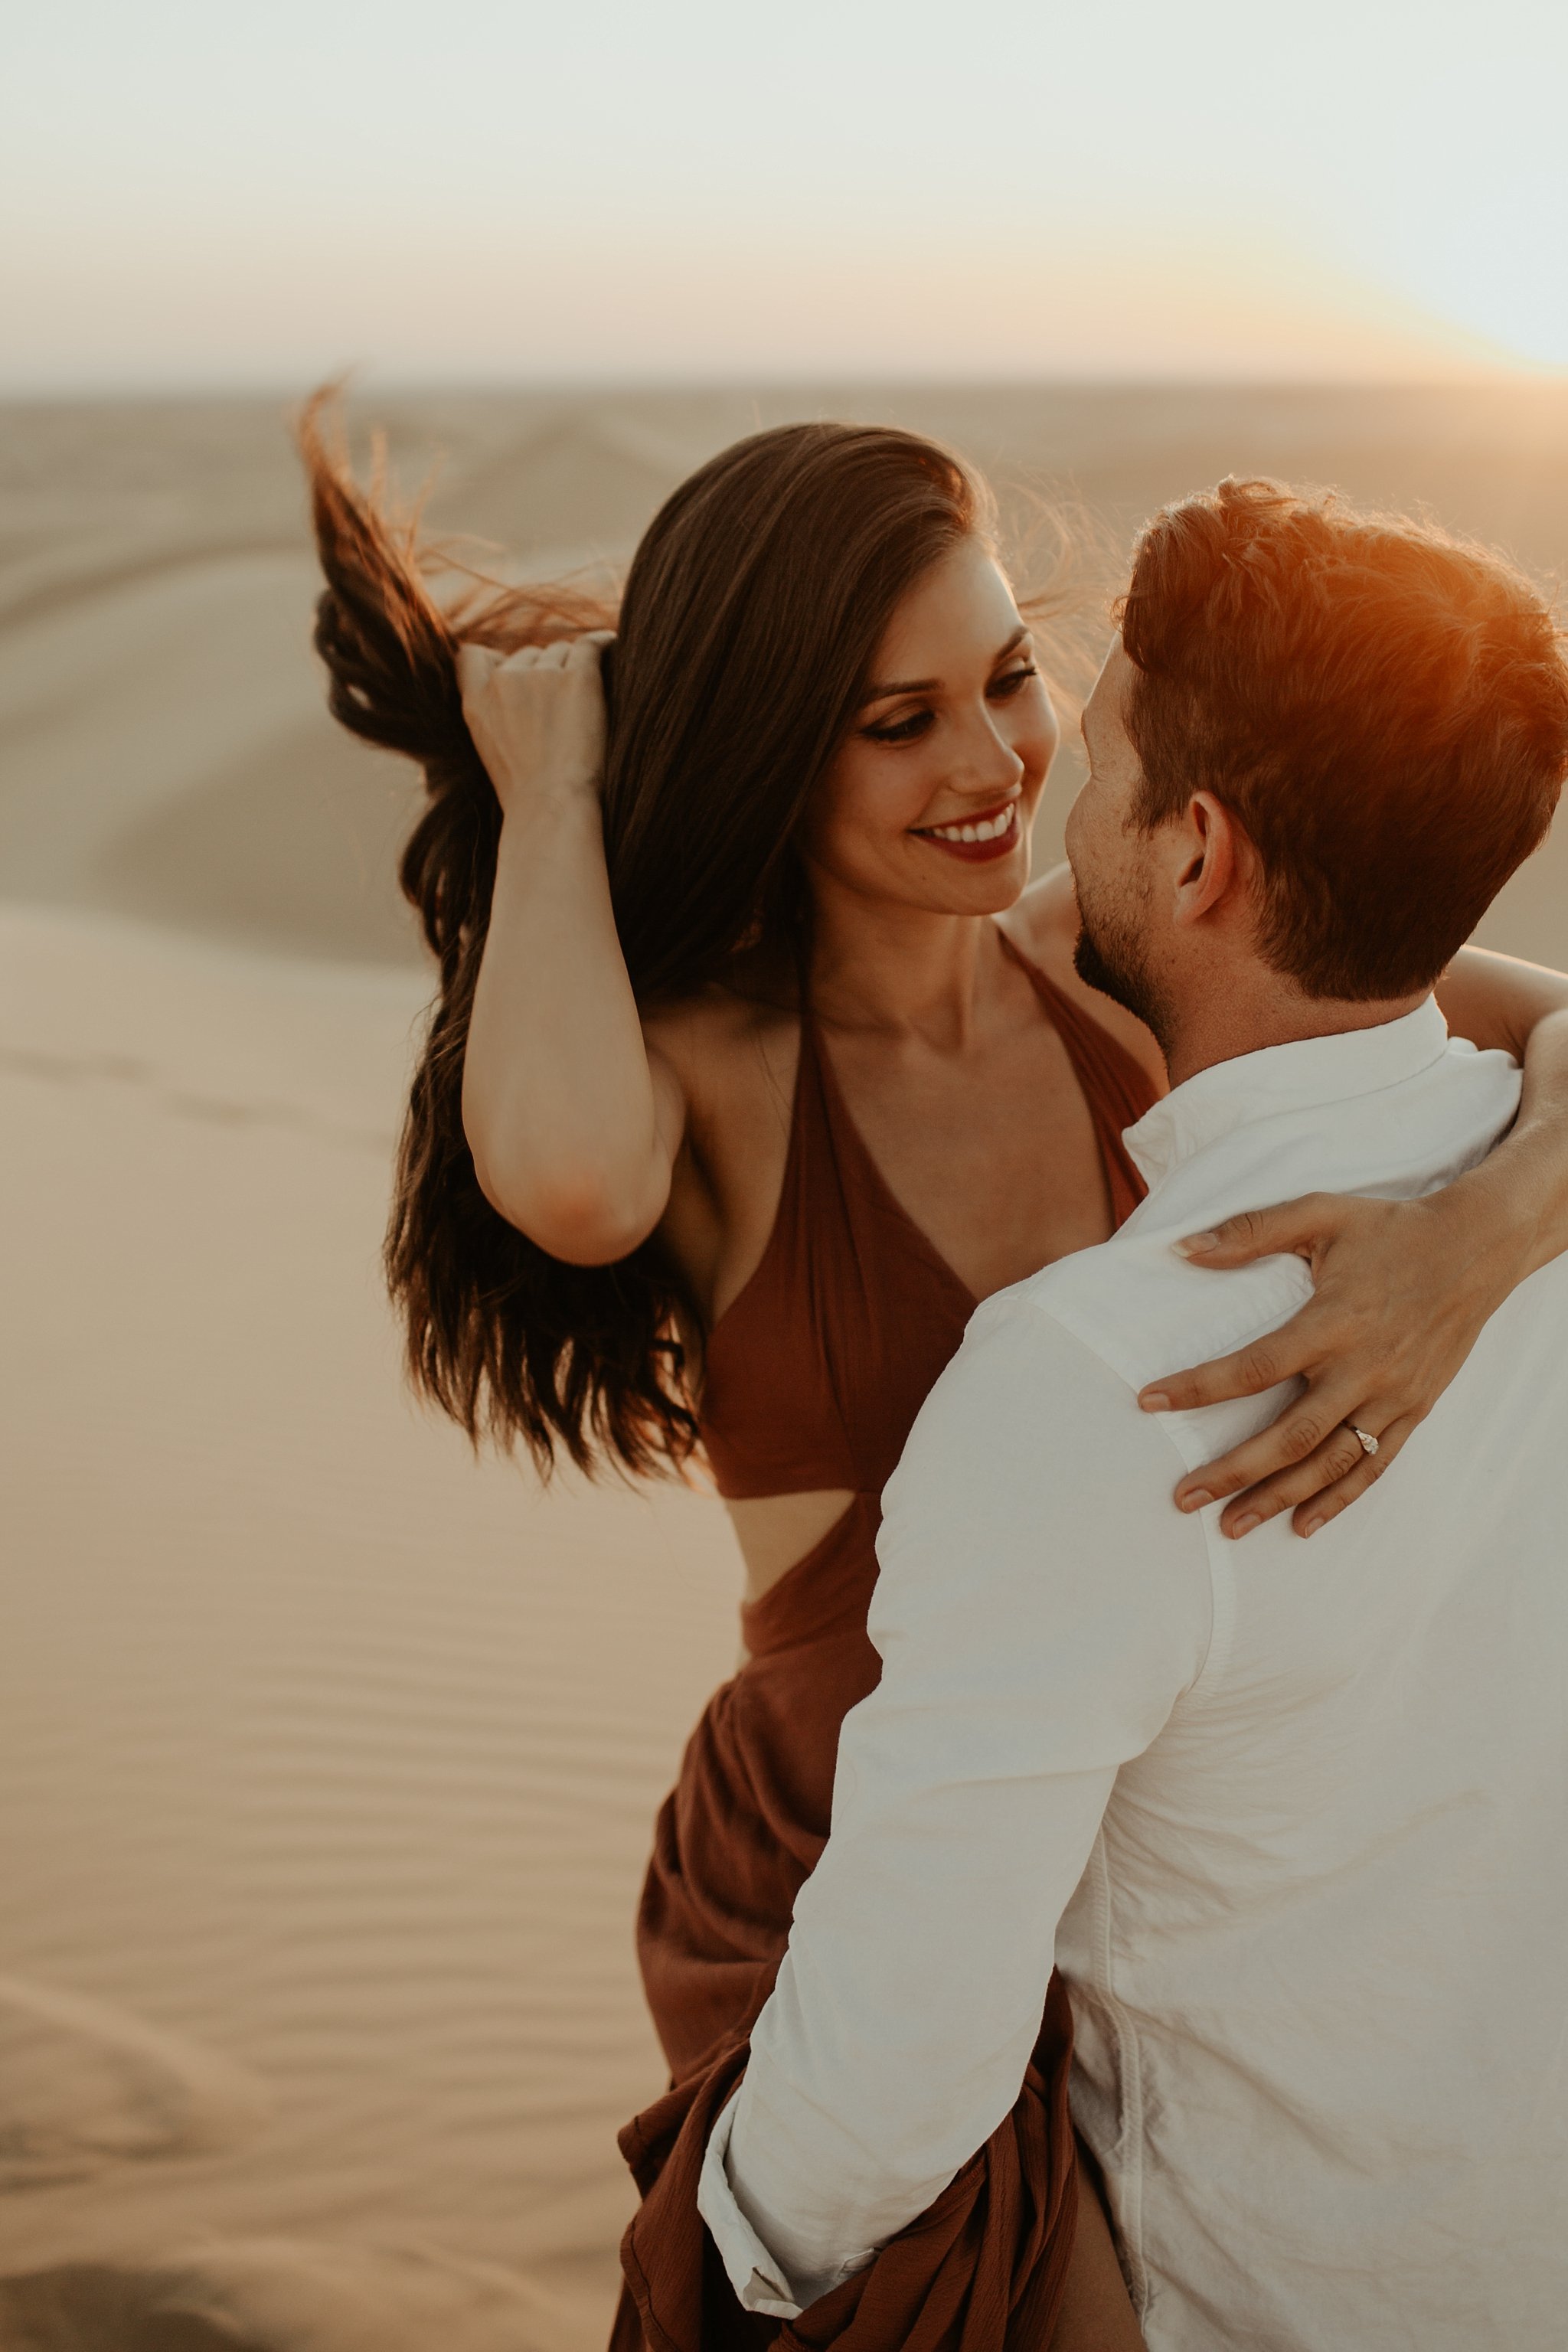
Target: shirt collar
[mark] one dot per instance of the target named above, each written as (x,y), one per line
(1298,1076)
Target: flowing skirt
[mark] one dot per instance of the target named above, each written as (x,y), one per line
(983,2269)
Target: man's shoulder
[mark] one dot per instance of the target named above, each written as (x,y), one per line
(1031,1517)
(1143,1310)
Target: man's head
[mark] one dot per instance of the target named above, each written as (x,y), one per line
(1323,744)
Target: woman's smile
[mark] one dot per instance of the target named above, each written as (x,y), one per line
(994,833)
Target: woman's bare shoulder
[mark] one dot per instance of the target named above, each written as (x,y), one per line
(726,1037)
(734,1053)
(1045,925)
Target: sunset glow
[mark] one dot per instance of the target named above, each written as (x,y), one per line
(254,195)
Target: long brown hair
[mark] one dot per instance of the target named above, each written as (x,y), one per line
(749,616)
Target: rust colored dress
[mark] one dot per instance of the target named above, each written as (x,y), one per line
(814,1376)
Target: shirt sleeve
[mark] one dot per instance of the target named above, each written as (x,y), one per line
(1041,1607)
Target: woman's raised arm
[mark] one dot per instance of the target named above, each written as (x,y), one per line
(573,1123)
(1401,1288)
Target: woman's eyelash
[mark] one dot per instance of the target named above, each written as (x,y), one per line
(906,731)
(903,731)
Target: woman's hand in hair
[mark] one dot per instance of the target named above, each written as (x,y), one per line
(574,1124)
(537,715)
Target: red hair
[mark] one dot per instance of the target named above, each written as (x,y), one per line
(1384,707)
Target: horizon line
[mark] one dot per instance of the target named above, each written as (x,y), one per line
(357,382)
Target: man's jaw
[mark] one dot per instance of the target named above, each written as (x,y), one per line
(1117,968)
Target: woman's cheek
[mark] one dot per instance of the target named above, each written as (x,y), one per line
(864,817)
(893,792)
(1046,743)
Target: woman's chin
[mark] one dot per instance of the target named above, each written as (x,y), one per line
(927,883)
(973,890)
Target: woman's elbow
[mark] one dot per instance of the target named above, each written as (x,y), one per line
(581,1216)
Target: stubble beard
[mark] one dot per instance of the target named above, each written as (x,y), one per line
(1112,958)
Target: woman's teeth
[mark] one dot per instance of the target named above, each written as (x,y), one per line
(988,828)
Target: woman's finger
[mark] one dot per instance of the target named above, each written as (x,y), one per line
(537,718)
(476,665)
(1329,1324)
(1293,1229)
(1322,1508)
(1262,1364)
(1304,1426)
(1339,1457)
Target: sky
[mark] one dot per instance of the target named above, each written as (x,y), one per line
(219,193)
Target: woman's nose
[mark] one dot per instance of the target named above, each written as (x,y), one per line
(990,761)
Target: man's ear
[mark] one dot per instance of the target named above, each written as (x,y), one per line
(1215,859)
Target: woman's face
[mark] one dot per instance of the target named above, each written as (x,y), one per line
(929,798)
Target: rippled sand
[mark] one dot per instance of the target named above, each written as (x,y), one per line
(328,1756)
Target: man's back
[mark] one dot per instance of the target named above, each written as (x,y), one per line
(1293,1816)
(1317,1956)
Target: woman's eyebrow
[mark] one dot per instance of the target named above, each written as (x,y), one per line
(930,685)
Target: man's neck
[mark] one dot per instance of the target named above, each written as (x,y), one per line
(1226,1020)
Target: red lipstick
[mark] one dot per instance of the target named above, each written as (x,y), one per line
(977,852)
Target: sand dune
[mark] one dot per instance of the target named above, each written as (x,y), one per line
(224,797)
(82,2086)
(282,2294)
(328,1755)
(324,1749)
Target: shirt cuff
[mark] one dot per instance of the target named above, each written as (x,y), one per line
(760,2280)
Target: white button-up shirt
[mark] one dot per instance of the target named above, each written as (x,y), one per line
(1292,1818)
